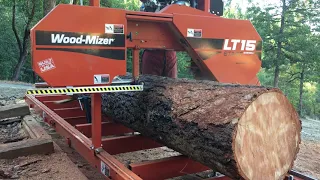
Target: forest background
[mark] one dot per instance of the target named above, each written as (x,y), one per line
(289,29)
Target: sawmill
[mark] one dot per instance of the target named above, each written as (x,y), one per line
(221,120)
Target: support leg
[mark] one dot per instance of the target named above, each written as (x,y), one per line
(96,120)
(135,63)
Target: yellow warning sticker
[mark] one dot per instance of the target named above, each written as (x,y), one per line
(82,90)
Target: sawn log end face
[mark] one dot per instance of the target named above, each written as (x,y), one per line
(267,138)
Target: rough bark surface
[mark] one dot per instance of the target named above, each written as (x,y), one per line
(203,120)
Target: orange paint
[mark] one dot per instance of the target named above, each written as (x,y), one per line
(218,51)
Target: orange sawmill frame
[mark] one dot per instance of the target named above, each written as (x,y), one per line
(89,140)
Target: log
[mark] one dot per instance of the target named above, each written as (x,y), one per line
(244,132)
(14,110)
(26,148)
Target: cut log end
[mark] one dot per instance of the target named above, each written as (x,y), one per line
(265,145)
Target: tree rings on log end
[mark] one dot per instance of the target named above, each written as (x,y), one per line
(267,138)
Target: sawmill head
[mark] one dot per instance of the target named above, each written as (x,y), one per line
(74,46)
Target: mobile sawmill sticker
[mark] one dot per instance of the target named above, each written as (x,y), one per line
(46,65)
(114,28)
(101,79)
(197,33)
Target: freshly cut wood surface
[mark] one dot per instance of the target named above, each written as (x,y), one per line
(244,132)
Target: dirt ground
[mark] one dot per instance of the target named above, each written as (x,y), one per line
(55,166)
(308,160)
(65,163)
(41,167)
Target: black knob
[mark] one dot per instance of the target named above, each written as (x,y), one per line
(129,36)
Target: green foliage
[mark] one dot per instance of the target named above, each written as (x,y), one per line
(299,43)
(299,52)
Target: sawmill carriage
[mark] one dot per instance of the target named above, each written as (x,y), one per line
(228,122)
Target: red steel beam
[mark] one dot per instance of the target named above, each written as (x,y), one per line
(52,97)
(81,120)
(123,144)
(82,144)
(108,128)
(135,55)
(73,121)
(69,112)
(167,168)
(53,105)
(96,119)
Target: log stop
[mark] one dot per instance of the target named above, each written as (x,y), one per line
(244,132)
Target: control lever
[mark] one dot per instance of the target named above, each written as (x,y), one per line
(86,106)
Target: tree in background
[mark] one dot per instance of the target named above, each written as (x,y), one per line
(290,58)
(289,29)
(48,5)
(22,40)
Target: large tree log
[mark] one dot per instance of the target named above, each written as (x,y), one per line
(244,132)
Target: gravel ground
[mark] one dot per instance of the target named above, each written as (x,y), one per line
(308,160)
(11,93)
(311,130)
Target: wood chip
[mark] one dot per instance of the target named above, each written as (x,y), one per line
(30,162)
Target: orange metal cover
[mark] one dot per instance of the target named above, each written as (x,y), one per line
(229,48)
(79,46)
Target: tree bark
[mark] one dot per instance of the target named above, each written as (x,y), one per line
(74,2)
(301,90)
(48,5)
(279,44)
(244,132)
(17,69)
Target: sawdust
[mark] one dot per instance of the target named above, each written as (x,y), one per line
(146,155)
(55,166)
(82,165)
(11,130)
(308,160)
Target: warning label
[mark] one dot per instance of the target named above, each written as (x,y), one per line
(114,28)
(101,79)
(105,169)
(197,33)
(46,65)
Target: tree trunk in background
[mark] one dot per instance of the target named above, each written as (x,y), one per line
(301,90)
(279,44)
(48,5)
(73,2)
(244,132)
(22,45)
(21,62)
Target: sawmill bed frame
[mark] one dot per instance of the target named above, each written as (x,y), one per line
(70,121)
